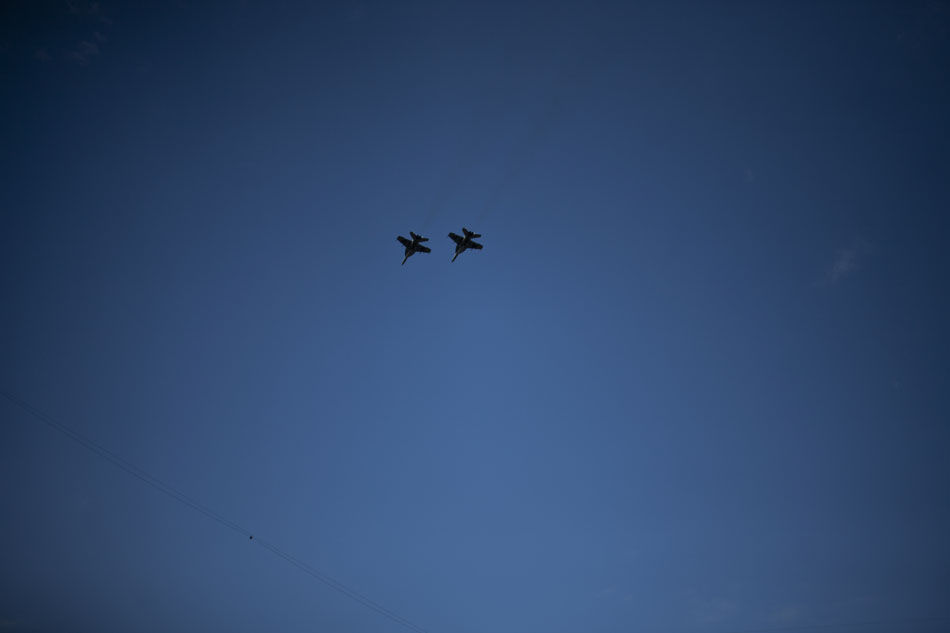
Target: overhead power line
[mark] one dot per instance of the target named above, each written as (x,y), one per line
(184,499)
(331,582)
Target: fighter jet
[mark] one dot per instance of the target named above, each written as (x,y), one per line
(461,243)
(413,246)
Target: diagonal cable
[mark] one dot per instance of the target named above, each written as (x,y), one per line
(181,497)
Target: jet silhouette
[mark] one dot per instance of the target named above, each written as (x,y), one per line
(413,246)
(461,243)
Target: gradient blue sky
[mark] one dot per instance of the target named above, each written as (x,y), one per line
(697,381)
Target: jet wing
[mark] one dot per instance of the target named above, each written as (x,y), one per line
(404,241)
(423,249)
(475,245)
(455,238)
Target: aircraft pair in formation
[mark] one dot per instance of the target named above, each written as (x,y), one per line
(461,243)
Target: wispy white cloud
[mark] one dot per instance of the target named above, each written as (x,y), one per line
(84,52)
(787,615)
(84,7)
(715,610)
(82,42)
(847,261)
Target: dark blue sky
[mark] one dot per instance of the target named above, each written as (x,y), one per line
(697,381)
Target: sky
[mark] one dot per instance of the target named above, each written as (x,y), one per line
(697,381)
